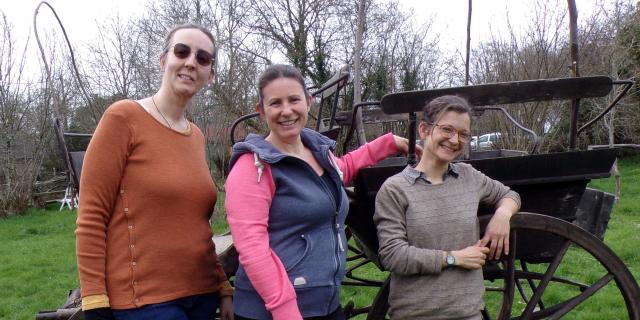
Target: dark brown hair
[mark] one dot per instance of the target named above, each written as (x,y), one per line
(169,38)
(437,107)
(277,71)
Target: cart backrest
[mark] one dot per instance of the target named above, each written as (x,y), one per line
(503,93)
(487,96)
(72,159)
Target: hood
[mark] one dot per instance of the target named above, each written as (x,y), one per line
(266,152)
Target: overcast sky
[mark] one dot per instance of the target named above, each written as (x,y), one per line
(79,16)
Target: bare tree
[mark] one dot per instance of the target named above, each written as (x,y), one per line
(303,31)
(537,51)
(24,125)
(12,120)
(240,61)
(398,55)
(114,57)
(605,52)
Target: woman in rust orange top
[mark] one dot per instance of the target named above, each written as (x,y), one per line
(143,235)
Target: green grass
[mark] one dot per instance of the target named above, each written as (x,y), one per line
(38,266)
(219,219)
(37,262)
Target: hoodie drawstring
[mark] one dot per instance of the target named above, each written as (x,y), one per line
(259,165)
(335,165)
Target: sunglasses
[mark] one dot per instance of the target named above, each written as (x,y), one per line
(183,51)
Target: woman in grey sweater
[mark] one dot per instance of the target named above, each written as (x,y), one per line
(427,222)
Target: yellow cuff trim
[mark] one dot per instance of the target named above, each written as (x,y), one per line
(95,302)
(225,289)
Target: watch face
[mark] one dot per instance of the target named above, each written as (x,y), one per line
(450,260)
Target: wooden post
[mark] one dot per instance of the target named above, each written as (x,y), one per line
(467,150)
(573,39)
(466,67)
(357,72)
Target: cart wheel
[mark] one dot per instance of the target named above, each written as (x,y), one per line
(380,304)
(550,289)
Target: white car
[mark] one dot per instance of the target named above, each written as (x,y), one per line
(489,140)
(485,141)
(473,142)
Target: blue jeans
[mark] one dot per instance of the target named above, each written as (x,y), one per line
(198,307)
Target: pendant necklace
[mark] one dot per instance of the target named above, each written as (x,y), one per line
(158,109)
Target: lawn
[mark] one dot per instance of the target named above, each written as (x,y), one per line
(37,262)
(37,257)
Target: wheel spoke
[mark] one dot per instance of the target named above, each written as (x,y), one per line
(537,276)
(543,314)
(559,310)
(380,305)
(521,290)
(362,282)
(532,285)
(616,272)
(553,266)
(357,252)
(509,278)
(485,314)
(583,296)
(359,264)
(355,256)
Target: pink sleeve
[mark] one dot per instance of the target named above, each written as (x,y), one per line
(247,202)
(367,155)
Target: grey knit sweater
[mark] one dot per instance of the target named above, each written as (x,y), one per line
(416,222)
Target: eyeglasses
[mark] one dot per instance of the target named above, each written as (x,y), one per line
(449,131)
(183,51)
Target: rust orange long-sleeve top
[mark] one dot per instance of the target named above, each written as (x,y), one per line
(143,233)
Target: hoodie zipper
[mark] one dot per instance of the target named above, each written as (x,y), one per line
(336,224)
(336,218)
(336,206)
(338,237)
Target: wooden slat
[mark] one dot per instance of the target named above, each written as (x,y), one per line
(503,93)
(372,115)
(337,81)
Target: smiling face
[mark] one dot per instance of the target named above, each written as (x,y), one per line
(285,108)
(438,147)
(185,76)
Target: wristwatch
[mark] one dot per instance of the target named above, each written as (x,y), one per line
(451,260)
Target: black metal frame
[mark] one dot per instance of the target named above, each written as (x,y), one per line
(534,137)
(72,159)
(559,182)
(484,97)
(333,86)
